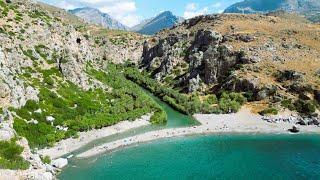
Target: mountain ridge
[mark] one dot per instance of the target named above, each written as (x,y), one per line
(95,16)
(153,25)
(308,8)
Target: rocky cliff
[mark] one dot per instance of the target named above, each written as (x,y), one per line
(271,58)
(44,46)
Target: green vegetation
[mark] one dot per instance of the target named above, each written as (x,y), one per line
(36,14)
(301,106)
(228,102)
(305,107)
(10,156)
(42,50)
(212,99)
(76,110)
(4,9)
(231,102)
(287,103)
(269,111)
(46,159)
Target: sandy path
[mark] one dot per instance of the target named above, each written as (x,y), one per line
(242,122)
(69,145)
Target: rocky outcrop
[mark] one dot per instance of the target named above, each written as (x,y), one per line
(289,75)
(217,63)
(317,95)
(209,59)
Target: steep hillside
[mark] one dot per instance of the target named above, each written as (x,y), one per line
(309,8)
(152,26)
(56,80)
(272,60)
(94,16)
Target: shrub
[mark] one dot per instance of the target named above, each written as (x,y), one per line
(10,156)
(305,107)
(269,111)
(159,117)
(81,110)
(46,159)
(287,103)
(231,102)
(49,81)
(212,99)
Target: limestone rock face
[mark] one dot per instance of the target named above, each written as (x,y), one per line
(218,61)
(194,84)
(208,58)
(204,38)
(4,90)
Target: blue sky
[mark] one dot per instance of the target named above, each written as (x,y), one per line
(131,12)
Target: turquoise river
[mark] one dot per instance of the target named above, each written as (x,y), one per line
(202,157)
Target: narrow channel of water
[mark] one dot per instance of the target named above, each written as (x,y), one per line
(175,120)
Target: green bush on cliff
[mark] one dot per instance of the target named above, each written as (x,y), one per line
(269,111)
(10,156)
(79,110)
(305,107)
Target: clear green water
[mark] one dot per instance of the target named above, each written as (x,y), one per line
(202,157)
(207,157)
(175,120)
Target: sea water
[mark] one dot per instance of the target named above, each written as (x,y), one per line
(207,157)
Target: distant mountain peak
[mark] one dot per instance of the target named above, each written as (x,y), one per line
(95,16)
(309,8)
(165,19)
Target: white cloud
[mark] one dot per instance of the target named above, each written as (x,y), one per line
(217,5)
(66,5)
(191,7)
(131,20)
(192,10)
(124,11)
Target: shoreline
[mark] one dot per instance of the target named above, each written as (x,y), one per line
(70,145)
(243,122)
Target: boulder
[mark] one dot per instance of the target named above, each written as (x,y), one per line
(261,95)
(194,84)
(314,122)
(59,163)
(302,122)
(49,168)
(50,119)
(245,37)
(31,93)
(289,75)
(4,90)
(294,129)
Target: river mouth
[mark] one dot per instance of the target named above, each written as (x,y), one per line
(175,120)
(227,156)
(207,157)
